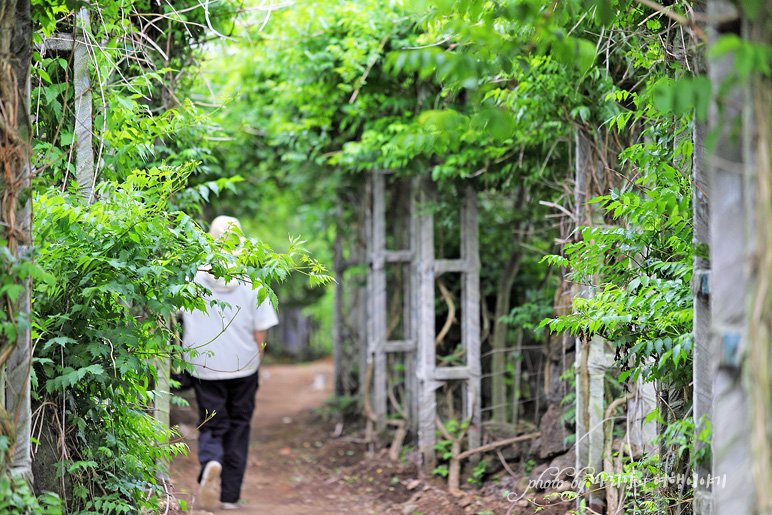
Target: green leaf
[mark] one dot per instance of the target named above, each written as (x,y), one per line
(604,12)
(573,51)
(44,75)
(498,123)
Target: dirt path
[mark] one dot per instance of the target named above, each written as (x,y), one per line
(300,463)
(278,479)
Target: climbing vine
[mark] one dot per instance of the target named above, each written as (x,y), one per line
(492,95)
(111,268)
(643,304)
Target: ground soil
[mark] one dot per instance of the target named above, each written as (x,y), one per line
(305,462)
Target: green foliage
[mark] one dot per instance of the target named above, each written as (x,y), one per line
(749,58)
(634,262)
(15,270)
(530,314)
(465,92)
(683,96)
(444,446)
(643,302)
(478,473)
(649,485)
(646,497)
(118,269)
(569,401)
(680,434)
(441,470)
(138,80)
(16,497)
(111,272)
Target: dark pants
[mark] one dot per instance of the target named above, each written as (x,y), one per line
(225,437)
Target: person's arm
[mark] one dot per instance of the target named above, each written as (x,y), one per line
(264,317)
(260,339)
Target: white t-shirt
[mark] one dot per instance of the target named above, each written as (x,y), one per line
(223,338)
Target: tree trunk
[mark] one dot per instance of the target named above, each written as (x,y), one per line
(15,214)
(500,331)
(500,328)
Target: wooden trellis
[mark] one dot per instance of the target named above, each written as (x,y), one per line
(422,375)
(377,344)
(86,174)
(84,152)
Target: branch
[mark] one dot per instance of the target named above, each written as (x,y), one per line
(559,207)
(496,445)
(366,394)
(5,352)
(395,403)
(675,17)
(369,67)
(209,22)
(443,429)
(451,313)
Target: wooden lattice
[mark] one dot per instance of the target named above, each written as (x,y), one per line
(422,376)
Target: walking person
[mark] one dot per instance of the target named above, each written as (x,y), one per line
(229,343)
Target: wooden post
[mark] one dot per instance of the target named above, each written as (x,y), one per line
(427,409)
(161,407)
(430,376)
(598,363)
(583,157)
(367,319)
(757,161)
(376,352)
(592,360)
(378,343)
(356,298)
(642,403)
(337,314)
(418,345)
(410,314)
(84,151)
(470,315)
(728,257)
(702,361)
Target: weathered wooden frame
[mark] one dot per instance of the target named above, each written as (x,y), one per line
(84,152)
(423,377)
(85,176)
